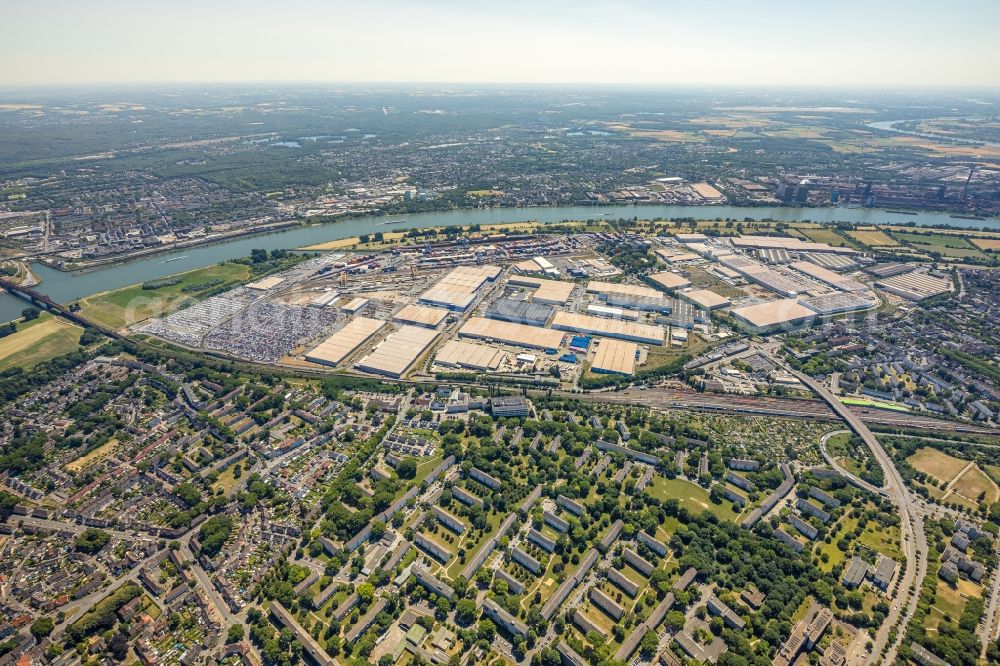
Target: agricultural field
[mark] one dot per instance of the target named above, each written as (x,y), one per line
(955,247)
(825,235)
(37,341)
(873,238)
(986,244)
(130,305)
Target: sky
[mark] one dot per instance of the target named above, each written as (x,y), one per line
(892,43)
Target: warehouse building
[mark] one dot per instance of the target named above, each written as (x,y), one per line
(704,299)
(612,313)
(266,283)
(355,305)
(770,314)
(395,355)
(660,304)
(615,357)
(839,302)
(461,354)
(510,333)
(520,312)
(602,289)
(827,276)
(458,289)
(792,244)
(915,286)
(624,330)
(670,281)
(683,316)
(554,292)
(420,315)
(345,342)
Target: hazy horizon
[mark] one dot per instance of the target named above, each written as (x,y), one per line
(897,44)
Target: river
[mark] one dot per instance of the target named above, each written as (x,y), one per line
(65,287)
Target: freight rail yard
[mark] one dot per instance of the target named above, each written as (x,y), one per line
(555,308)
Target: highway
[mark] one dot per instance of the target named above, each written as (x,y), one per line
(914,542)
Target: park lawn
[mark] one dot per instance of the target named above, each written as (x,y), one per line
(691,496)
(882,540)
(227,479)
(974,483)
(835,555)
(934,463)
(950,601)
(425,468)
(456,565)
(131,305)
(37,341)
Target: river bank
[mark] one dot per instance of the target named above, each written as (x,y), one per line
(64,287)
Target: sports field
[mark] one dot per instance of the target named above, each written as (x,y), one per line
(130,305)
(37,341)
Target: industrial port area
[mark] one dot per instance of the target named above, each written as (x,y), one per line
(552,307)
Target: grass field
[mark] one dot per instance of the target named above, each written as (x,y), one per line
(873,238)
(38,340)
(691,496)
(883,540)
(130,305)
(947,244)
(950,601)
(934,463)
(975,483)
